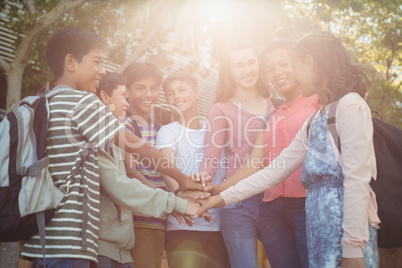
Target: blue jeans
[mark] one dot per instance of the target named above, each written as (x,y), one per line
(105,262)
(283,232)
(62,263)
(240,230)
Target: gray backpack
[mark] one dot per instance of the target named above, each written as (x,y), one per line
(28,196)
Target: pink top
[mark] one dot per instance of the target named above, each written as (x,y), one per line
(358,164)
(231,128)
(282,128)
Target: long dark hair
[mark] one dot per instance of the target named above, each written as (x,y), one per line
(226,85)
(334,66)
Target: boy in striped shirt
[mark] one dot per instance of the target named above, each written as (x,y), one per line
(78,119)
(143,82)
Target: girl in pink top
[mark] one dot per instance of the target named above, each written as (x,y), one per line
(340,205)
(282,214)
(234,120)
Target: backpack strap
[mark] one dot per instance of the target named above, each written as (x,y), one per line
(266,119)
(40,221)
(137,130)
(331,122)
(157,125)
(310,121)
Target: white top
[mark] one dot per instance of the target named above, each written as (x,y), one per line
(358,164)
(189,147)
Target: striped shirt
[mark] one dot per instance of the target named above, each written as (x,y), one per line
(149,133)
(76,118)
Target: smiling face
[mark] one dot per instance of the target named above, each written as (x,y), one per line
(89,72)
(143,94)
(182,96)
(243,68)
(279,70)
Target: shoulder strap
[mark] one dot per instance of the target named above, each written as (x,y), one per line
(157,125)
(332,120)
(266,119)
(137,130)
(310,121)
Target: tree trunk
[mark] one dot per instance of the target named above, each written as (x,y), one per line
(14,77)
(14,81)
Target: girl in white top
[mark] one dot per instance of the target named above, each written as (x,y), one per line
(340,205)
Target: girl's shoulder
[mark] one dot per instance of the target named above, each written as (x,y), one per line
(352,99)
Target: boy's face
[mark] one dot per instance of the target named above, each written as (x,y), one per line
(143,94)
(89,72)
(117,103)
(182,96)
(279,70)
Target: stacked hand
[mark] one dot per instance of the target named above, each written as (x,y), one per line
(195,201)
(198,193)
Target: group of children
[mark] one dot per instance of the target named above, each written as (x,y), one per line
(250,143)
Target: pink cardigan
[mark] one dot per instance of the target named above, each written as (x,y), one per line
(358,164)
(282,127)
(232,129)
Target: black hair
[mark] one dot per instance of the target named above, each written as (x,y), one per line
(110,82)
(72,41)
(338,75)
(138,70)
(189,79)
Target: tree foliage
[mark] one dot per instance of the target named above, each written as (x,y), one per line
(199,30)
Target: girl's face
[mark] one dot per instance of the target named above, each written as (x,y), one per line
(279,70)
(305,74)
(243,68)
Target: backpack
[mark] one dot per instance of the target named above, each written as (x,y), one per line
(28,196)
(387,141)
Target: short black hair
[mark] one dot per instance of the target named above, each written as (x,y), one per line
(72,41)
(286,43)
(110,82)
(189,79)
(138,70)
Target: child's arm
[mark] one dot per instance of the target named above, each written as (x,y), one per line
(254,163)
(264,179)
(276,172)
(152,157)
(131,169)
(134,195)
(214,141)
(355,130)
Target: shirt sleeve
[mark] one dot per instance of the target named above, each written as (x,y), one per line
(277,171)
(95,121)
(134,195)
(356,135)
(166,138)
(214,141)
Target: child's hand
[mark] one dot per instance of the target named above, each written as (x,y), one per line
(203,177)
(188,219)
(190,185)
(352,263)
(193,194)
(215,201)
